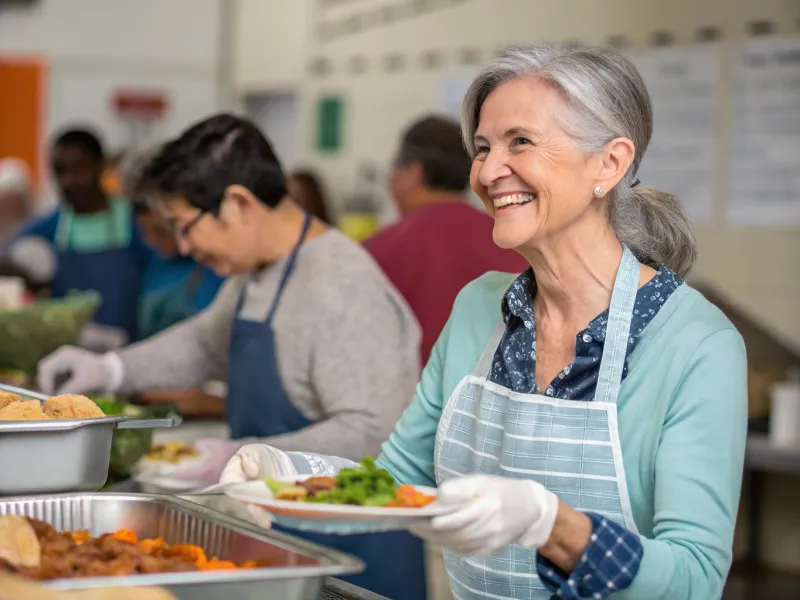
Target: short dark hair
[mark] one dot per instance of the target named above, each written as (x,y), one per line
(435,143)
(215,153)
(82,138)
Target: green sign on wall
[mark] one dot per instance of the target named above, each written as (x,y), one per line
(329,123)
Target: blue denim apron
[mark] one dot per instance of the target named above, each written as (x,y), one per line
(113,273)
(257,406)
(570,447)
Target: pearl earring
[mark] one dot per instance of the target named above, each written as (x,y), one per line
(599,191)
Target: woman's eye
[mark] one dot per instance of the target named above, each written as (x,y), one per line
(521,141)
(481,149)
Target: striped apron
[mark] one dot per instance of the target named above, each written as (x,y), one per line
(571,447)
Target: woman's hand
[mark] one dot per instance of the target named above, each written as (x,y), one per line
(492,512)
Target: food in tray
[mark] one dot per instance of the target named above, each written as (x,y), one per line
(7,398)
(68,406)
(23,410)
(366,486)
(72,406)
(172,452)
(70,554)
(19,545)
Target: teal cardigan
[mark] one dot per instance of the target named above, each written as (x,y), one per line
(682,419)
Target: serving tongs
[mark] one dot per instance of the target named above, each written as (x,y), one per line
(119,421)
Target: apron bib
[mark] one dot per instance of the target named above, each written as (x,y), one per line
(257,405)
(571,447)
(113,273)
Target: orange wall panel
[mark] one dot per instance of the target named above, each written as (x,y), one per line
(22,102)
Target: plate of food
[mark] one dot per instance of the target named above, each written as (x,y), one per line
(157,466)
(357,500)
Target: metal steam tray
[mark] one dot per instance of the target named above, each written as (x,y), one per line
(62,455)
(300,567)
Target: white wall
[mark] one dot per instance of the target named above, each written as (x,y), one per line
(96,46)
(755,267)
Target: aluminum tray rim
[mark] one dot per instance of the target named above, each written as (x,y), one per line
(58,424)
(333,562)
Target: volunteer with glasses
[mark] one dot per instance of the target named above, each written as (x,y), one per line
(586,420)
(319,351)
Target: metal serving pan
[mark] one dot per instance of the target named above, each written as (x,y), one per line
(300,567)
(62,455)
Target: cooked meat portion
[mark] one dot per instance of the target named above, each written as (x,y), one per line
(318,484)
(63,557)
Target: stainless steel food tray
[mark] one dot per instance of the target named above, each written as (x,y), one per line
(299,574)
(63,455)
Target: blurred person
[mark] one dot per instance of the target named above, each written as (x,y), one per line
(89,241)
(441,242)
(318,349)
(306,189)
(15,198)
(174,287)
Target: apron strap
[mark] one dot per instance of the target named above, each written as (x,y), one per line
(485,362)
(63,229)
(289,269)
(620,313)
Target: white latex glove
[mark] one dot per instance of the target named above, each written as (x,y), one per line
(492,513)
(215,454)
(257,461)
(90,372)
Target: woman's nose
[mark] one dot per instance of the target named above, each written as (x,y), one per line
(494,167)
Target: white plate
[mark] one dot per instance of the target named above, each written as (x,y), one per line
(339,519)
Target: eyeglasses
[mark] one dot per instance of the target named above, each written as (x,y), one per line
(186,229)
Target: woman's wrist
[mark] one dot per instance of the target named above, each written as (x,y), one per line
(571,534)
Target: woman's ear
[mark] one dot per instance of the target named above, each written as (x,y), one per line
(616,159)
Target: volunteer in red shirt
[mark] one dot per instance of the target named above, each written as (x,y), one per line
(441,243)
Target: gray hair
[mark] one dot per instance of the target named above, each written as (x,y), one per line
(131,169)
(606,98)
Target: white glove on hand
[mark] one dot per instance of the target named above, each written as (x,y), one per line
(89,372)
(492,513)
(257,461)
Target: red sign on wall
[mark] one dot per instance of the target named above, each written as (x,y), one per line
(141,104)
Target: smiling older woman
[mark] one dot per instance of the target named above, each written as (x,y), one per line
(587,418)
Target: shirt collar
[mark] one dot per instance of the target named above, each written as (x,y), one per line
(518,302)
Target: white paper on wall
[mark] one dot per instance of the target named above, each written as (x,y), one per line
(452,89)
(683,85)
(763,179)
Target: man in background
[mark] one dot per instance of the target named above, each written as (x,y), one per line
(441,243)
(89,241)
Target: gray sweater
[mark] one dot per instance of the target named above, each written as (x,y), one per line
(347,347)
